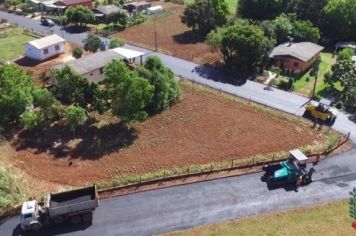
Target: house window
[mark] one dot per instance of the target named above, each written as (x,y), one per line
(56,47)
(295,64)
(101,70)
(45,51)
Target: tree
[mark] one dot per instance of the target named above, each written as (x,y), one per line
(31,119)
(74,117)
(311,10)
(166,89)
(305,31)
(343,71)
(72,88)
(242,46)
(129,93)
(340,19)
(114,43)
(77,52)
(79,14)
(92,43)
(205,15)
(262,9)
(46,106)
(345,54)
(15,94)
(118,17)
(283,28)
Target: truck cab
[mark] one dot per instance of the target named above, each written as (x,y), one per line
(30,216)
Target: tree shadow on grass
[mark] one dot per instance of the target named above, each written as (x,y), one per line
(88,142)
(188,37)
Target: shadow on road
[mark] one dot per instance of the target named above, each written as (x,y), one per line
(219,76)
(51,231)
(75,29)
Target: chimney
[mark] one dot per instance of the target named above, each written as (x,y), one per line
(290,41)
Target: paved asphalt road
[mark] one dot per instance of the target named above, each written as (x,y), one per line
(186,206)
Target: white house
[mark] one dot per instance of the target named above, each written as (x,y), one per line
(44,48)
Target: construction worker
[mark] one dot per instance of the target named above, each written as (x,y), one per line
(298,182)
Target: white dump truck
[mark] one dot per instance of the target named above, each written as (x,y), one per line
(75,206)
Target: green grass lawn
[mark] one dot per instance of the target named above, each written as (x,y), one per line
(305,84)
(11,46)
(328,219)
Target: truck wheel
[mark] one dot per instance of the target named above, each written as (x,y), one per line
(35,227)
(75,219)
(88,218)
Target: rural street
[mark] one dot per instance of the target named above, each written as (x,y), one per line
(186,206)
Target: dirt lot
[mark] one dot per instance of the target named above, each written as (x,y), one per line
(202,128)
(173,37)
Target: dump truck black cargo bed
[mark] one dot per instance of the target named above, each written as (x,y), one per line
(84,199)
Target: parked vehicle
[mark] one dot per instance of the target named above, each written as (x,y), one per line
(323,111)
(292,171)
(47,22)
(75,206)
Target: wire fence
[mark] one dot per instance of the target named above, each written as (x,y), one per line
(205,170)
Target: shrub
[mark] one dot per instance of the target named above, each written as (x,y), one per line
(114,43)
(77,52)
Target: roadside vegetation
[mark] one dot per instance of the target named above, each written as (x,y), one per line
(328,219)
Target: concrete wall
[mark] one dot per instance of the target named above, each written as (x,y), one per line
(40,55)
(95,76)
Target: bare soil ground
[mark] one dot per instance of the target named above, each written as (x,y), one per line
(202,128)
(173,37)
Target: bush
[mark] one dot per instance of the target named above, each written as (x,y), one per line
(285,84)
(30,119)
(92,43)
(137,19)
(114,43)
(77,52)
(9,192)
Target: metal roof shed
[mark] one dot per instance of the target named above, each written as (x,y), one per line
(297,154)
(128,53)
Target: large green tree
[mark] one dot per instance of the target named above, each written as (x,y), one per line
(16,89)
(265,9)
(305,31)
(205,15)
(242,46)
(92,43)
(128,92)
(74,117)
(72,88)
(340,19)
(283,28)
(343,71)
(166,88)
(79,15)
(311,10)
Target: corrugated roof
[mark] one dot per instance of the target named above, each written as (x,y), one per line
(47,41)
(73,2)
(303,51)
(127,53)
(108,9)
(91,62)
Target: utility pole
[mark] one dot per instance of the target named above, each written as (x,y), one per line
(316,68)
(155,32)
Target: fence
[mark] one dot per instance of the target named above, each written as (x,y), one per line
(192,171)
